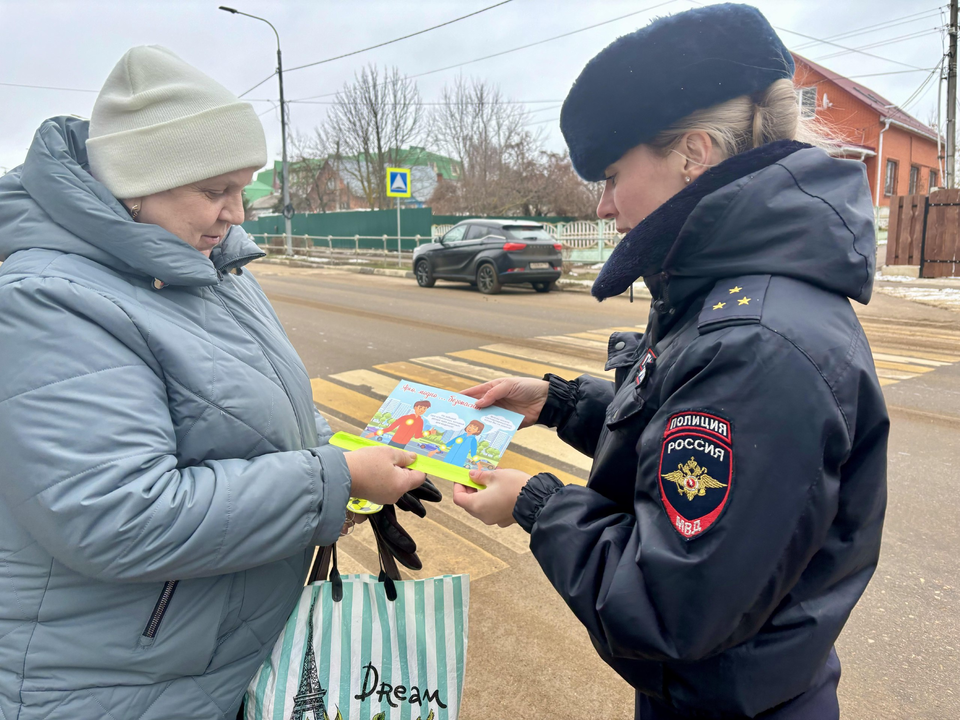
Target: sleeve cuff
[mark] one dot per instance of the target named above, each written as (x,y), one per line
(561,399)
(534,496)
(336,482)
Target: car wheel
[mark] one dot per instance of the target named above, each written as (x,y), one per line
(542,287)
(487,279)
(424,275)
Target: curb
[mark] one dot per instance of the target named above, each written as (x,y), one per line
(932,283)
(639,289)
(340,268)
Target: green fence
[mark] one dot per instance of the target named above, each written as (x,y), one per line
(365,223)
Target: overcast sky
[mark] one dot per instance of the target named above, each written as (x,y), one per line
(75,43)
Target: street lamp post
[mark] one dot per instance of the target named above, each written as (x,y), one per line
(284,182)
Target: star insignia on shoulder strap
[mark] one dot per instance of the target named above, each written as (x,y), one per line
(735,290)
(743,301)
(719,306)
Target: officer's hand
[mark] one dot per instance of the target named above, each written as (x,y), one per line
(493,505)
(521,395)
(380,474)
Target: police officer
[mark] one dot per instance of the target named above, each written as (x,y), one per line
(733,514)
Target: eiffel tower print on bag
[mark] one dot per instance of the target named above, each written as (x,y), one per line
(309,698)
(367,647)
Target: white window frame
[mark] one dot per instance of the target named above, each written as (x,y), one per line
(807,100)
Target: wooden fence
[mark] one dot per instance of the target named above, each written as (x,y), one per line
(925,230)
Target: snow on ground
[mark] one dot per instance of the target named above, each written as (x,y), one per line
(895,278)
(947,298)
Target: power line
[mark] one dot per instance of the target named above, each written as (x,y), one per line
(258,84)
(543,122)
(405,37)
(550,39)
(273,107)
(828,42)
(882,43)
(919,92)
(844,47)
(895,72)
(48,87)
(887,24)
(521,47)
(503,102)
(552,107)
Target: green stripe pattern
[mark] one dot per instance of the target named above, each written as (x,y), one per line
(402,659)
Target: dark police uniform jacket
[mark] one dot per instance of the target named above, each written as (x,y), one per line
(733,513)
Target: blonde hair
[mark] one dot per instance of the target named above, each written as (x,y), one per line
(746,122)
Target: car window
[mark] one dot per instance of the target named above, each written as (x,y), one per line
(519,232)
(477,231)
(455,234)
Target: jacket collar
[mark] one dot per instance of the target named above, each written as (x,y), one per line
(646,251)
(56,177)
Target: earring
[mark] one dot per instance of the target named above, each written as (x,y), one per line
(135,210)
(686,179)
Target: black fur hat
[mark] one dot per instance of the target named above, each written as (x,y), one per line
(642,83)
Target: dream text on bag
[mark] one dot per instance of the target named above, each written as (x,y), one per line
(371,679)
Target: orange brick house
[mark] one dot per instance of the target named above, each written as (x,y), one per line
(900,152)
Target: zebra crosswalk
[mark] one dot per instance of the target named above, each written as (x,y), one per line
(451,540)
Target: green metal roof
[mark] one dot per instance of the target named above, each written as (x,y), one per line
(411,157)
(256,190)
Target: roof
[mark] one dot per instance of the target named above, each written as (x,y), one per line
(885,108)
(501,223)
(256,190)
(424,164)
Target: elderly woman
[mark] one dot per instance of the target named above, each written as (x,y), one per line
(164,474)
(733,514)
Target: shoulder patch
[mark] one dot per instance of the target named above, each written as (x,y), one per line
(738,301)
(696,470)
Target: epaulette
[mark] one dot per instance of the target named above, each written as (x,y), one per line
(737,301)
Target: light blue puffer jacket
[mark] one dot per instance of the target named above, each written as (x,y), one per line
(164,473)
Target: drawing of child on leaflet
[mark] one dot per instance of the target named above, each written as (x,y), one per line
(408,427)
(463,448)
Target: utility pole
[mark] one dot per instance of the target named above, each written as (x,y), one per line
(287,207)
(284,175)
(951,166)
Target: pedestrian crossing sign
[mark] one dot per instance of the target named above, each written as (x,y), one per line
(398,182)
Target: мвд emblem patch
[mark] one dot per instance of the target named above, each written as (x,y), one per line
(696,470)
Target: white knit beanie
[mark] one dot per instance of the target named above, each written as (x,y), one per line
(159,123)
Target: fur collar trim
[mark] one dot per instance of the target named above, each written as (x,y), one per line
(647,248)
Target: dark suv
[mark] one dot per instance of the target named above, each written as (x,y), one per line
(491,254)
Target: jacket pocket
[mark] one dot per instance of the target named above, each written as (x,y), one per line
(625,407)
(159,610)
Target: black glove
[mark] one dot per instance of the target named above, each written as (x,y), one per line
(394,538)
(411,501)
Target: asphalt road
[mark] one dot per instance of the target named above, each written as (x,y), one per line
(528,657)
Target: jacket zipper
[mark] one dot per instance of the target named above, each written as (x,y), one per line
(169,587)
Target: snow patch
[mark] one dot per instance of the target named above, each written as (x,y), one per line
(948,298)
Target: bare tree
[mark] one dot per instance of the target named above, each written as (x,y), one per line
(371,120)
(315,183)
(490,139)
(560,191)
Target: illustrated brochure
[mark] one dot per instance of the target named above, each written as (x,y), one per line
(447,429)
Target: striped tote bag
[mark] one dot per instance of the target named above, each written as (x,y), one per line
(350,652)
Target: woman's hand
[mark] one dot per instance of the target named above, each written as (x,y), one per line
(494,505)
(521,395)
(380,474)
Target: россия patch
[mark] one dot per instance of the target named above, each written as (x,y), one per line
(696,470)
